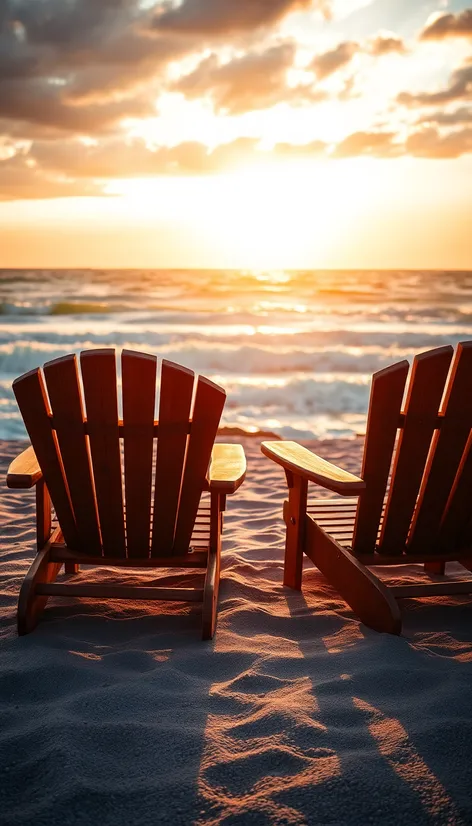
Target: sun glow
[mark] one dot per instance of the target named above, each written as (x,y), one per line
(270,215)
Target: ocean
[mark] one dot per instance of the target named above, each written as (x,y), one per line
(295,351)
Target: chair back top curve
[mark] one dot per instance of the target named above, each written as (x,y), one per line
(417,461)
(127,487)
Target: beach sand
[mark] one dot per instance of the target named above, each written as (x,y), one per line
(117,713)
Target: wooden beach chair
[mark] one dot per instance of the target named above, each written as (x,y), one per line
(126,492)
(413,502)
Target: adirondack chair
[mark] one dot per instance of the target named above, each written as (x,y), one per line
(412,503)
(113,507)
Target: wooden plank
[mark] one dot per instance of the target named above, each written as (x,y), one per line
(175,401)
(62,380)
(433,589)
(24,471)
(301,461)
(120,592)
(384,408)
(139,391)
(43,515)
(445,455)
(361,589)
(30,393)
(196,559)
(456,526)
(403,559)
(212,579)
(294,517)
(207,410)
(227,468)
(30,603)
(99,380)
(425,390)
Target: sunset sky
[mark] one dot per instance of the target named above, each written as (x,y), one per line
(236,133)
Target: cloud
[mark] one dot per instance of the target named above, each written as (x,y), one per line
(222,17)
(448,25)
(329,62)
(20,178)
(115,158)
(60,166)
(45,104)
(461,115)
(379,144)
(429,143)
(386,43)
(460,87)
(255,80)
(66,62)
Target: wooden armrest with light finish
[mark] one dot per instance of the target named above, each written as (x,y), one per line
(227,468)
(24,471)
(302,462)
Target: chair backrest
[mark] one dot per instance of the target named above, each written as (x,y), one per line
(114,495)
(418,460)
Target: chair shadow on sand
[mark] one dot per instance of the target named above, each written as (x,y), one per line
(385,717)
(105,718)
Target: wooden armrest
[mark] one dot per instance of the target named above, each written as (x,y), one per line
(24,471)
(302,462)
(227,468)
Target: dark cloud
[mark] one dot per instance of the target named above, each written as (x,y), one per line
(386,44)
(449,25)
(329,62)
(458,116)
(46,104)
(379,144)
(217,17)
(429,143)
(459,88)
(256,80)
(58,54)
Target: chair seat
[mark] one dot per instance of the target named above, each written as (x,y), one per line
(200,539)
(335,516)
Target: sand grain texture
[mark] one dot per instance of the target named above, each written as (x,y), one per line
(116,713)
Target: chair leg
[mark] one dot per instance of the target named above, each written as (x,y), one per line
(368,597)
(71,567)
(31,606)
(294,516)
(212,577)
(435,567)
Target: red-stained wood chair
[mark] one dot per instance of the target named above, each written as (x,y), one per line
(116,505)
(413,501)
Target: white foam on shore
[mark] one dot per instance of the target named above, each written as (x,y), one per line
(117,713)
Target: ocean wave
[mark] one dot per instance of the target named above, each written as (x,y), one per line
(210,357)
(315,406)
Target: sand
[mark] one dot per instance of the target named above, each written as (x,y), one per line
(117,713)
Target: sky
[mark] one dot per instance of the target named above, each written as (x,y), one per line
(236,133)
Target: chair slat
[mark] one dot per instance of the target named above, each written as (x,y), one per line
(175,402)
(99,380)
(30,393)
(384,408)
(445,454)
(62,380)
(139,391)
(207,410)
(425,390)
(455,531)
